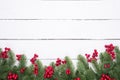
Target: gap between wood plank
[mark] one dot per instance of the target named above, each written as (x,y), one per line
(43,19)
(18,39)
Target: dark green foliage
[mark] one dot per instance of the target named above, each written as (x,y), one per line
(84,70)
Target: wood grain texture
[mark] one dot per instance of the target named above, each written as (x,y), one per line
(58,28)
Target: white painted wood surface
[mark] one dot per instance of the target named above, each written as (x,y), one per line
(58,19)
(60,29)
(59,9)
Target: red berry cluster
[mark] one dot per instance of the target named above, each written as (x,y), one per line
(106,77)
(35,69)
(22,70)
(35,65)
(94,55)
(34,59)
(77,78)
(59,62)
(110,50)
(48,72)
(19,57)
(68,71)
(7,49)
(106,65)
(12,76)
(4,54)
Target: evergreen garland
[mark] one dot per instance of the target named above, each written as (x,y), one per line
(98,66)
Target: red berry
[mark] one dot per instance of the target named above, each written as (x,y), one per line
(68,72)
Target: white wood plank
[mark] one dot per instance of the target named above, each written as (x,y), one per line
(59,29)
(55,49)
(59,9)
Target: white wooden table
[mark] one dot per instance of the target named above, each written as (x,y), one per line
(57,28)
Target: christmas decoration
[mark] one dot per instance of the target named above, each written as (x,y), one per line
(77,79)
(22,70)
(68,71)
(48,72)
(18,57)
(59,62)
(109,50)
(106,77)
(34,64)
(94,56)
(12,76)
(96,66)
